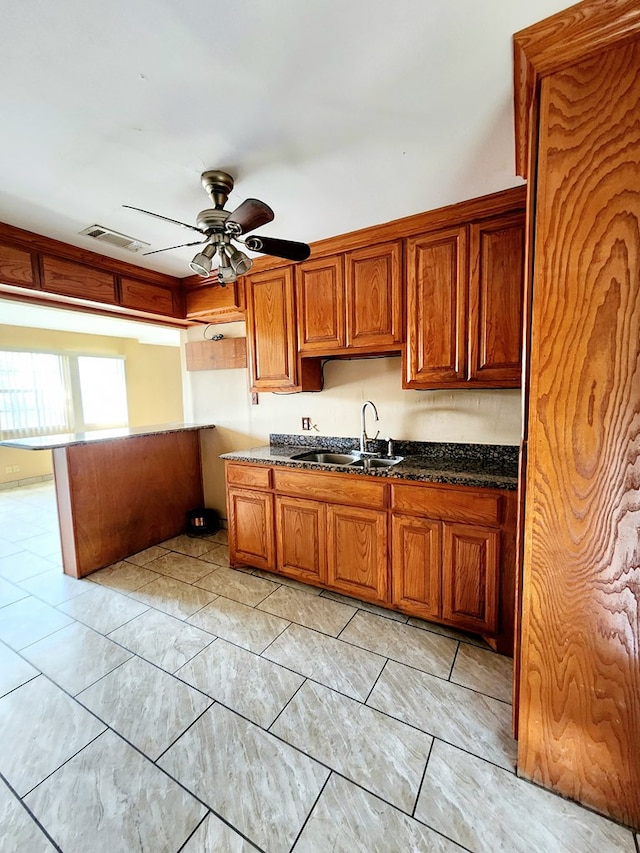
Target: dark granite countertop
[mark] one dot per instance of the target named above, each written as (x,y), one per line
(490,466)
(50,442)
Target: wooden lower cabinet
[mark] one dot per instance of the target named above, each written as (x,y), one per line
(416,565)
(251,534)
(470,577)
(357,551)
(301,539)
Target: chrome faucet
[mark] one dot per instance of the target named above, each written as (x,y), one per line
(363,425)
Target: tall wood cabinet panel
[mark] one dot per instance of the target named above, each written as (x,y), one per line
(470,576)
(320,295)
(373,279)
(251,531)
(416,564)
(301,539)
(357,551)
(496,300)
(579,715)
(436,308)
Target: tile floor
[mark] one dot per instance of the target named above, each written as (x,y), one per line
(170,703)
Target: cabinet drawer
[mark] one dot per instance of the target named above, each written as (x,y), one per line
(448,503)
(333,488)
(256,476)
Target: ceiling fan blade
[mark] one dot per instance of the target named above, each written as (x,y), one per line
(169,248)
(289,249)
(251,214)
(166,219)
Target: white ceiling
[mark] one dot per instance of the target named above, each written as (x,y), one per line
(338,113)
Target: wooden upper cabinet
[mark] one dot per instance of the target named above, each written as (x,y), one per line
(16,266)
(69,278)
(373,279)
(321,309)
(216,304)
(496,293)
(271,330)
(436,309)
(142,296)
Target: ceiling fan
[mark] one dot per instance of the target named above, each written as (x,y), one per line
(219,227)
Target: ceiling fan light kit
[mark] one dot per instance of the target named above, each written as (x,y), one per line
(219,227)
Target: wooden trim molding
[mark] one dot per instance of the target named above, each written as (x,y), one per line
(572,35)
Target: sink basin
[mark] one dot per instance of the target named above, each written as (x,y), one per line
(324,458)
(378,463)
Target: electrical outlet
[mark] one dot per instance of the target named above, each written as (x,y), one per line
(306,424)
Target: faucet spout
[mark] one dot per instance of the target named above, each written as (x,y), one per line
(363,424)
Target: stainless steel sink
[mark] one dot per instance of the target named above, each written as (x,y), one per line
(324,458)
(376,462)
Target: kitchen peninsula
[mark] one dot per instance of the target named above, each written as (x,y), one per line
(120,491)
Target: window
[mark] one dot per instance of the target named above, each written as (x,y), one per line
(51,393)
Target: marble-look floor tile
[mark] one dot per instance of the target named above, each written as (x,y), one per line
(19,527)
(109,798)
(180,566)
(373,750)
(239,624)
(22,565)
(347,819)
(14,671)
(446,631)
(214,836)
(103,609)
(192,546)
(161,639)
(486,809)
(147,556)
(54,587)
(335,664)
(123,576)
(174,597)
(312,611)
(394,615)
(40,729)
(44,544)
(219,554)
(29,620)
(75,657)
(484,671)
(20,832)
(477,723)
(7,548)
(238,586)
(9,592)
(281,579)
(220,536)
(262,786)
(402,643)
(246,683)
(145,705)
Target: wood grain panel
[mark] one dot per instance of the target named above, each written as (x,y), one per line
(301,539)
(357,551)
(271,330)
(123,496)
(416,565)
(324,486)
(254,476)
(71,279)
(16,266)
(580,679)
(320,305)
(455,503)
(496,293)
(251,530)
(216,355)
(215,303)
(142,296)
(436,309)
(470,578)
(374,296)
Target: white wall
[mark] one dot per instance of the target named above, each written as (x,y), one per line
(222,397)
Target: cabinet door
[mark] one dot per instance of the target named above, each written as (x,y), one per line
(17,266)
(271,330)
(301,539)
(357,551)
(416,565)
(320,298)
(436,309)
(496,294)
(251,535)
(374,297)
(470,566)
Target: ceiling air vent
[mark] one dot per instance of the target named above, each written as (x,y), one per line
(114,238)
